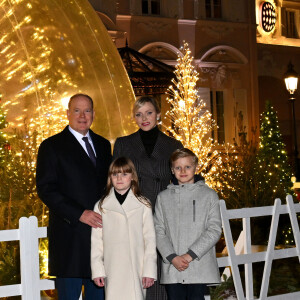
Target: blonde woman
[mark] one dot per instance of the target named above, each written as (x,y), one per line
(150,151)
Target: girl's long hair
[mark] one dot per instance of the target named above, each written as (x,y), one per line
(124,165)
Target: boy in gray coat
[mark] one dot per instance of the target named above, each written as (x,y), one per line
(188,225)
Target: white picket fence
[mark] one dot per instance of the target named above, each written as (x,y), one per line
(31,285)
(29,233)
(247,258)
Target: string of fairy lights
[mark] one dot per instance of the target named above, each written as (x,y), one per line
(35,81)
(235,169)
(190,121)
(272,153)
(44,60)
(37,74)
(273,162)
(34,68)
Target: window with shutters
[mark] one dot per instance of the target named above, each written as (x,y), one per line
(213,9)
(151,7)
(291,30)
(214,102)
(217,111)
(289,23)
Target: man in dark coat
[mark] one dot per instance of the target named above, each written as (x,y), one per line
(71,175)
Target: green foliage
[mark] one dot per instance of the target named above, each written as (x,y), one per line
(9,263)
(254,175)
(238,185)
(224,290)
(18,197)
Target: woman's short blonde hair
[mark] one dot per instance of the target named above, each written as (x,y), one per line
(144,99)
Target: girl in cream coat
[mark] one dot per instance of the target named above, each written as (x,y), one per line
(123,252)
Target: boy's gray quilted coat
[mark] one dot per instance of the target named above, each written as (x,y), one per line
(188,217)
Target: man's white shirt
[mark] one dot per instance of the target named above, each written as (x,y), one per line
(79,137)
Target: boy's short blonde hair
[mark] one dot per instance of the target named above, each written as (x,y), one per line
(184,152)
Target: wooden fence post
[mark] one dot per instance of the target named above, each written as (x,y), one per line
(270,251)
(29,252)
(294,222)
(231,252)
(248,267)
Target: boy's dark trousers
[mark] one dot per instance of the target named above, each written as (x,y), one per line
(180,291)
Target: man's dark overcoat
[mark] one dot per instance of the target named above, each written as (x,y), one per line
(68,183)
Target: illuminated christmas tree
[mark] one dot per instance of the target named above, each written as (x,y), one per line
(255,175)
(272,160)
(191,122)
(272,171)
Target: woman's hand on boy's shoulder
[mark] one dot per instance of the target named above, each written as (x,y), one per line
(180,263)
(147,282)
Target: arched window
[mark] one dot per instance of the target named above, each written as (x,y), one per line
(151,7)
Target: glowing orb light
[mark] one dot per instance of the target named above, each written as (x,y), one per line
(52,49)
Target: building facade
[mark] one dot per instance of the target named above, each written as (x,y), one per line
(241,63)
(276,48)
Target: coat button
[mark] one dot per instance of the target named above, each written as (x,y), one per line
(157,179)
(66,220)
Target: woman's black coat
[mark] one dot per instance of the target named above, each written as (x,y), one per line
(154,172)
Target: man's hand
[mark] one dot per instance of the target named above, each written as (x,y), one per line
(180,263)
(91,218)
(99,281)
(147,282)
(187,257)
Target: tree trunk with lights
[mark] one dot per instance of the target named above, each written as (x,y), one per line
(191,122)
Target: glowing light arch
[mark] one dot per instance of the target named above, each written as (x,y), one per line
(52,49)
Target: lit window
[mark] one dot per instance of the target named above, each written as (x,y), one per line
(213,9)
(217,111)
(151,7)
